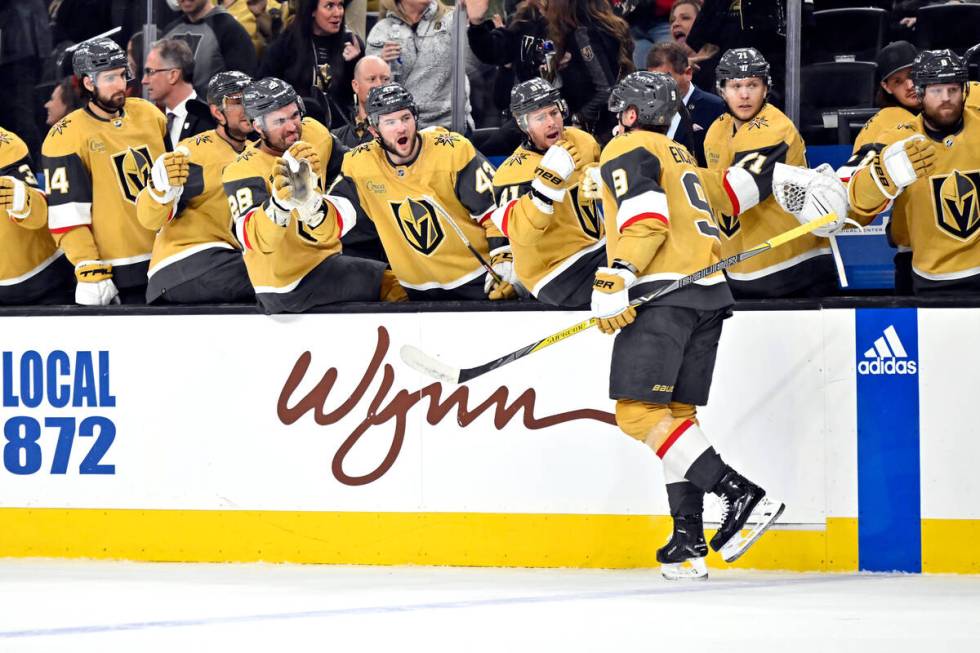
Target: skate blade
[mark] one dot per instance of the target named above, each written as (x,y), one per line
(690,569)
(763,516)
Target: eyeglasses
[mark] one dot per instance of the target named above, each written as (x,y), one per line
(150,72)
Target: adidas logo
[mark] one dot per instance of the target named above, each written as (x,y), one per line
(887,356)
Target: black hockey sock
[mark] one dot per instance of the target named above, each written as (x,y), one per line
(684,498)
(707,470)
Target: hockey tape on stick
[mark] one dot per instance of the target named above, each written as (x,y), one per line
(421,362)
(462,237)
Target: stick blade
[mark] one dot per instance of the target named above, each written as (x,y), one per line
(421,362)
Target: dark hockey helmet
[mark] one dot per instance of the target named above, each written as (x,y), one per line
(653,95)
(938,67)
(97,55)
(267,95)
(388,98)
(532,95)
(740,63)
(894,57)
(229,82)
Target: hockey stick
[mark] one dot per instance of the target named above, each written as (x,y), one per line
(462,237)
(422,362)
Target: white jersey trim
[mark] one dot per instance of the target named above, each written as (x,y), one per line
(743,185)
(345,209)
(947,276)
(186,253)
(644,203)
(450,285)
(72,214)
(129,260)
(779,267)
(37,270)
(279,291)
(564,265)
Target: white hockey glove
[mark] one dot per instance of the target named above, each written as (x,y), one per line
(502,262)
(14,197)
(95,286)
(611,299)
(811,194)
(592,182)
(557,165)
(901,163)
(168,175)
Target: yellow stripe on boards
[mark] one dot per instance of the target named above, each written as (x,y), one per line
(465,539)
(950,546)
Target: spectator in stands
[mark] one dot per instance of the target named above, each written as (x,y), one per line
(169,67)
(262,19)
(65,98)
(316,55)
(683,13)
(649,24)
(25,44)
(687,127)
(415,38)
(216,39)
(369,72)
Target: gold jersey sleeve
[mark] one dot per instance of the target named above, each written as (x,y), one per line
(941,212)
(94,170)
(409,206)
(202,217)
(544,243)
(658,218)
(973,96)
(753,146)
(277,258)
(28,246)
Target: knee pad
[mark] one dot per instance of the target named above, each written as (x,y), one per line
(684,411)
(641,420)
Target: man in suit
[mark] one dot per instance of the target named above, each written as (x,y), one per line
(688,127)
(167,76)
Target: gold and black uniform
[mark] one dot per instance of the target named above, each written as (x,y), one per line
(663,236)
(196,257)
(409,204)
(942,211)
(94,170)
(555,255)
(801,267)
(32,269)
(293,268)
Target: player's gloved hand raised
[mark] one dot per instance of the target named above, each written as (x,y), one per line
(14,197)
(901,163)
(611,300)
(95,286)
(502,262)
(591,188)
(811,194)
(557,165)
(303,151)
(294,186)
(169,174)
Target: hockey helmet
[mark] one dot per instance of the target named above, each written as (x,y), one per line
(230,82)
(654,96)
(98,55)
(388,98)
(267,95)
(532,95)
(739,63)
(894,57)
(938,67)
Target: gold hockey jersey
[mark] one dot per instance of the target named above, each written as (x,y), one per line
(942,211)
(545,245)
(94,170)
(201,220)
(973,98)
(410,204)
(665,236)
(277,258)
(753,146)
(27,245)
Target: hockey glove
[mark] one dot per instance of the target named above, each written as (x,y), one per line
(95,286)
(557,165)
(502,262)
(306,198)
(611,299)
(592,182)
(901,163)
(169,174)
(14,197)
(303,151)
(811,194)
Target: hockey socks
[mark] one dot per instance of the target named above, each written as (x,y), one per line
(687,455)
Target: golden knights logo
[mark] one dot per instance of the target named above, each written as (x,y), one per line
(132,170)
(955,201)
(729,225)
(587,213)
(419,224)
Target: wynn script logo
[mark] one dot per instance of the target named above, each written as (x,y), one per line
(394,405)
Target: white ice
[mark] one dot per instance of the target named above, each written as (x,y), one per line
(117,606)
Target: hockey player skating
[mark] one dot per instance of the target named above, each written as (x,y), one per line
(930,168)
(553,225)
(196,257)
(289,230)
(652,238)
(428,194)
(96,161)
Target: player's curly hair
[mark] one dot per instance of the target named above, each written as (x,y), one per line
(565,16)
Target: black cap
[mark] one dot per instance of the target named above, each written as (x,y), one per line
(893,57)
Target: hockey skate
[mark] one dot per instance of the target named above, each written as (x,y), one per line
(745,504)
(683,555)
